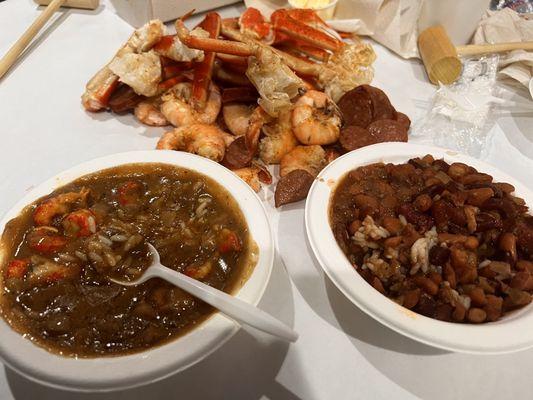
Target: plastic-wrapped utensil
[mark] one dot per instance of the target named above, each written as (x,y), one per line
(458,114)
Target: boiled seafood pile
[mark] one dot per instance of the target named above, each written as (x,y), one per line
(250,92)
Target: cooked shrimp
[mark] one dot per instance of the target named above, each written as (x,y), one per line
(204,140)
(316,119)
(279,139)
(103,83)
(237,117)
(308,158)
(178,111)
(257,119)
(254,175)
(148,113)
(59,205)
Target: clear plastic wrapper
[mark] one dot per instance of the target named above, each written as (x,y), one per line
(459,114)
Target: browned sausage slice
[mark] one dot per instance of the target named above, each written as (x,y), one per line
(354,137)
(237,154)
(381,105)
(293,187)
(403,120)
(356,107)
(387,130)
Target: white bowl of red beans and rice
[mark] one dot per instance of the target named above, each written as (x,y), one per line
(155,363)
(510,333)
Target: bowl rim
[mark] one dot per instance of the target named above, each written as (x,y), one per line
(111,373)
(506,335)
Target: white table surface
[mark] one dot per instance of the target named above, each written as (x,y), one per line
(341,352)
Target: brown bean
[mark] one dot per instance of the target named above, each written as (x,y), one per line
(444,312)
(411,297)
(393,241)
(476,315)
(376,283)
(477,295)
(515,299)
(426,284)
(439,255)
(521,280)
(435,277)
(449,275)
(507,243)
(466,275)
(459,312)
(431,182)
(426,305)
(354,226)
(486,221)
(450,238)
(525,265)
(493,308)
(423,202)
(476,177)
(487,272)
(463,258)
(502,269)
(471,243)
(457,170)
(477,197)
(365,201)
(485,285)
(422,221)
(393,225)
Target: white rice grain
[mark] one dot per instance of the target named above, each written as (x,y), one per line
(95,257)
(105,240)
(119,238)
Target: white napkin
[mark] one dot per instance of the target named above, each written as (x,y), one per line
(393,23)
(507,25)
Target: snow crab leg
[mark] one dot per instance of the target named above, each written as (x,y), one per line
(283,22)
(204,69)
(99,89)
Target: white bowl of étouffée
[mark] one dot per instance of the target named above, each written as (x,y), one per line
(124,369)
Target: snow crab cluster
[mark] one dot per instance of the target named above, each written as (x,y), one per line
(246,92)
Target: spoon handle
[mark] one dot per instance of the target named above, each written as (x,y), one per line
(231,306)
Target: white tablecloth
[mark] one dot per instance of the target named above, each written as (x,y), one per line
(341,352)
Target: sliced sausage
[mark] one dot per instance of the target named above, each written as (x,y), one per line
(356,107)
(387,130)
(381,105)
(237,154)
(354,137)
(293,187)
(403,120)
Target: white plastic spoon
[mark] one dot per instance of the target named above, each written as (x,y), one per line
(231,306)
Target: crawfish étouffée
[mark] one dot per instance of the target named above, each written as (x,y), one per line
(61,250)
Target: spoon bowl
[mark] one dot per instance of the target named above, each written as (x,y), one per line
(237,309)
